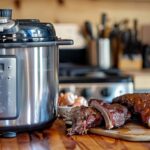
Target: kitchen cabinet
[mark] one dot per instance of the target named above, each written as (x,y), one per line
(125,0)
(71,11)
(55,138)
(141,79)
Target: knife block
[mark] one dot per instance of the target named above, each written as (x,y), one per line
(91,55)
(125,63)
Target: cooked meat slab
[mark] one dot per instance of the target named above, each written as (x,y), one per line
(115,115)
(84,118)
(138,103)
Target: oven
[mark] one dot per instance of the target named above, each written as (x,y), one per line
(93,82)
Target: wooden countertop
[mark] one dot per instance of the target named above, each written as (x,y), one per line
(54,138)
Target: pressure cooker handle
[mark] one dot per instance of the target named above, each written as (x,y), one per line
(64,42)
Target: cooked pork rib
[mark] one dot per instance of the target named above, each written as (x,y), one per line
(84,118)
(115,115)
(138,103)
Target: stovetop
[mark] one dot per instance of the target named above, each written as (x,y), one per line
(83,74)
(78,70)
(94,82)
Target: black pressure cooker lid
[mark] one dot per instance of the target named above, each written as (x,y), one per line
(24,30)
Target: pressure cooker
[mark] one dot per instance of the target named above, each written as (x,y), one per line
(29,51)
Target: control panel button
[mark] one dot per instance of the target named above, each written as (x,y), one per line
(106,92)
(64,90)
(9,67)
(9,77)
(87,93)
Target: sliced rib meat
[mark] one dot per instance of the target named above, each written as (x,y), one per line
(84,118)
(138,103)
(115,115)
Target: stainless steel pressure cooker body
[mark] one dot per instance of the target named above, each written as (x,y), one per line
(28,73)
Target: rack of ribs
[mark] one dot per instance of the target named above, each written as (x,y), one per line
(115,115)
(137,103)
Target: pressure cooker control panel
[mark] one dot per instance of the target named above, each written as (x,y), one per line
(8,98)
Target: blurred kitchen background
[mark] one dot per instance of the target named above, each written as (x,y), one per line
(111,40)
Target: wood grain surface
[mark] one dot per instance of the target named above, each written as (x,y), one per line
(54,138)
(129,132)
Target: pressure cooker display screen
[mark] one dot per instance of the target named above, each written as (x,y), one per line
(1,67)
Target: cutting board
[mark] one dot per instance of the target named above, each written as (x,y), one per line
(129,132)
